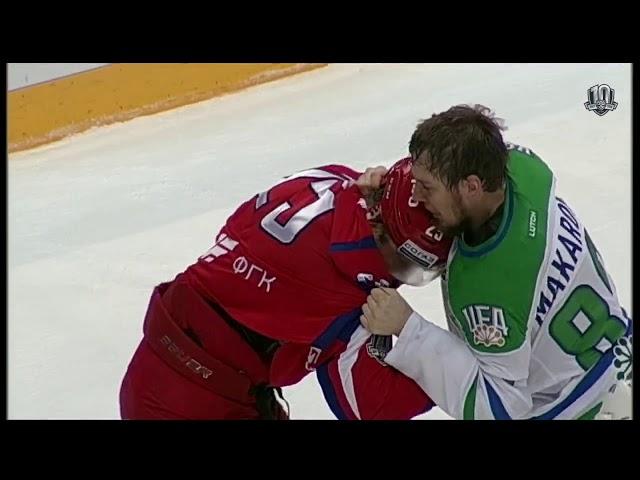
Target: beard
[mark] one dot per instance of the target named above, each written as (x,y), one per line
(453,230)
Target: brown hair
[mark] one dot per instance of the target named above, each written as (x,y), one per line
(465,140)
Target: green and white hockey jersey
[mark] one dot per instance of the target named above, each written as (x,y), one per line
(533,315)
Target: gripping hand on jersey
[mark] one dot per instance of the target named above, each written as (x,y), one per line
(385,312)
(371,179)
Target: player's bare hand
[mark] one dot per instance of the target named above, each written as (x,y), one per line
(385,312)
(371,179)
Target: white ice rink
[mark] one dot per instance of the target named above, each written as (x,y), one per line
(97,220)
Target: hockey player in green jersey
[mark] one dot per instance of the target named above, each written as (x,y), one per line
(534,318)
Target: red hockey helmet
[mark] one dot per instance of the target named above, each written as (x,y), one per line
(411,227)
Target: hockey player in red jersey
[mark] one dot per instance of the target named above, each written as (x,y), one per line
(278,296)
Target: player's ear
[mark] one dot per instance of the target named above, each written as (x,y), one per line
(472,185)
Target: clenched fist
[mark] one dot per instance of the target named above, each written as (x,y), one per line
(385,312)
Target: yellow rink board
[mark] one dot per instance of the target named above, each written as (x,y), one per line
(52,110)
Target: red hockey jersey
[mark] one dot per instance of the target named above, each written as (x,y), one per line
(295,263)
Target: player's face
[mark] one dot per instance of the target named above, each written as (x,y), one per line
(444,204)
